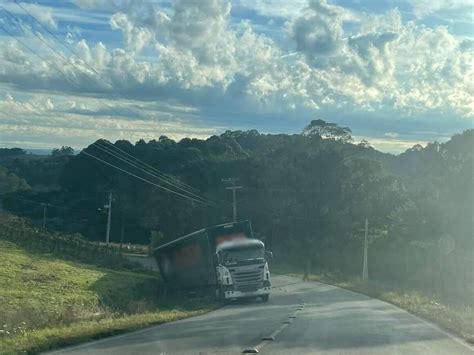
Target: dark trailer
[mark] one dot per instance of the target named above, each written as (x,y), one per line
(190,262)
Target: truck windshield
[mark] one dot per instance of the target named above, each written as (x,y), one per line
(241,254)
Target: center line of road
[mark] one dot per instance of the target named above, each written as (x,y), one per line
(273,335)
(265,340)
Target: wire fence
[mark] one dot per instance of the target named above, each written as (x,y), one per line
(63,246)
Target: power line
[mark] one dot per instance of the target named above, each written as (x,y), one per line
(270,189)
(96,81)
(108,151)
(50,205)
(143,179)
(66,61)
(170,182)
(165,176)
(56,37)
(48,62)
(34,52)
(146,168)
(47,44)
(147,171)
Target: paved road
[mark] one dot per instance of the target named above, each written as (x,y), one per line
(303,318)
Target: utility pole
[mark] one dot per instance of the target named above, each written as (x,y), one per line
(365,268)
(121,236)
(232,181)
(109,218)
(44,214)
(122,231)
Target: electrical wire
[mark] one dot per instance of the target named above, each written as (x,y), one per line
(145,166)
(75,82)
(34,52)
(50,205)
(96,81)
(108,151)
(143,179)
(56,37)
(151,168)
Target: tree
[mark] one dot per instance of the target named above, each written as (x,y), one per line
(364,144)
(63,151)
(11,152)
(157,239)
(327,130)
(9,182)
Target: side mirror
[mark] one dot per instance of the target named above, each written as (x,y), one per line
(268,255)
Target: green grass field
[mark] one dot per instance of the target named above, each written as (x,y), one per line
(456,318)
(46,302)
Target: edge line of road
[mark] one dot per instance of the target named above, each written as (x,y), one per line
(118,336)
(128,333)
(432,325)
(144,330)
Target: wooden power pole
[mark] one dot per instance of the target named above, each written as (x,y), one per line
(233,187)
(109,218)
(365,267)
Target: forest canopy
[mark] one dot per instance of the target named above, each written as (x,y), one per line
(306,194)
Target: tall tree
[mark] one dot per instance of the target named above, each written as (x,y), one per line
(327,130)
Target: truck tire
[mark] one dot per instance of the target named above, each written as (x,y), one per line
(265,298)
(221,295)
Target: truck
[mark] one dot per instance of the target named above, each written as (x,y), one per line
(225,259)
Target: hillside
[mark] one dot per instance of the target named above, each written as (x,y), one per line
(307,195)
(47,302)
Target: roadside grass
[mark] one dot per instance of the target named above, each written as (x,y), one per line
(35,341)
(453,317)
(46,302)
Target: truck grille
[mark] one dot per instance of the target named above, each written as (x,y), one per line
(248,280)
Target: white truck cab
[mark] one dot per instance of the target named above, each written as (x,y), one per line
(242,270)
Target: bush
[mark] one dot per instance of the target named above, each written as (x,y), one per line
(157,239)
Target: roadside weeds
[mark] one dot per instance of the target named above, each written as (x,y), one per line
(47,302)
(51,338)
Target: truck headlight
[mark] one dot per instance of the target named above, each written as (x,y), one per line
(225,276)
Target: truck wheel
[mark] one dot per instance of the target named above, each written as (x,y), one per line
(265,298)
(221,295)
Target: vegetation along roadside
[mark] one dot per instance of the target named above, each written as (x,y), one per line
(454,317)
(48,302)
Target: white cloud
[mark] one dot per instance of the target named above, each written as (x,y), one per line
(273,8)
(49,120)
(195,55)
(50,15)
(393,145)
(318,32)
(42,13)
(135,38)
(424,8)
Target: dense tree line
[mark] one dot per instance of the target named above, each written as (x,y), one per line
(307,194)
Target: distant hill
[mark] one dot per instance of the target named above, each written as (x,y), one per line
(301,191)
(38,151)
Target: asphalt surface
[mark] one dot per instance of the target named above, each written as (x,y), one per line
(300,318)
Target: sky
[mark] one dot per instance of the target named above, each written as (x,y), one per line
(398,73)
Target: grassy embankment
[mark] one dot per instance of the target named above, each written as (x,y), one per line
(46,302)
(453,317)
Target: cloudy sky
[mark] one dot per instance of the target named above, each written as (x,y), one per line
(397,72)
